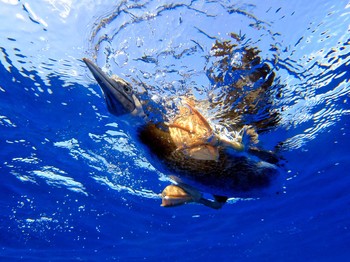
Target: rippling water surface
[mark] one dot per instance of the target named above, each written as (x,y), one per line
(75,186)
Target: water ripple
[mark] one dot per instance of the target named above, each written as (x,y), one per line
(311,70)
(304,60)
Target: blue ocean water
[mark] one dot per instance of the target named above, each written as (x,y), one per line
(75,186)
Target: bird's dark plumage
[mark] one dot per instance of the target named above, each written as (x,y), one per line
(237,175)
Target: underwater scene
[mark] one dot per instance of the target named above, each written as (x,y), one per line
(174,130)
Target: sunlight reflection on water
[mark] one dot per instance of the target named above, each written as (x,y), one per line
(167,48)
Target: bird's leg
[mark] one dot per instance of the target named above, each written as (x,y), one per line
(215,204)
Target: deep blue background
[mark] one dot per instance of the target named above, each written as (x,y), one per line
(98,207)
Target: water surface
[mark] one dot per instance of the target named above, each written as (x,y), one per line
(76,187)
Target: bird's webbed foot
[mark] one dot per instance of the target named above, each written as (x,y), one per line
(176,195)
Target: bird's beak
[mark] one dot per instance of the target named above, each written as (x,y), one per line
(117,92)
